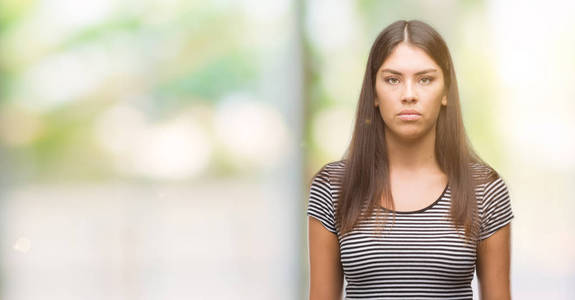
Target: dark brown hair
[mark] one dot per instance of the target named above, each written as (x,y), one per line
(365,180)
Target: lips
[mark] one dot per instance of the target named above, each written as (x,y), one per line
(409,112)
(409,115)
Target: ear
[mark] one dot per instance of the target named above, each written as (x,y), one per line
(444,100)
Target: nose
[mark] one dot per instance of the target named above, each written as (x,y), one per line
(408,93)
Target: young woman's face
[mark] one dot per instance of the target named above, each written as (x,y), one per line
(409,90)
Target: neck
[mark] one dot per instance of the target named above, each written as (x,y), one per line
(411,155)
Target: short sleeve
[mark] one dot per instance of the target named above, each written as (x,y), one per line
(320,201)
(496,207)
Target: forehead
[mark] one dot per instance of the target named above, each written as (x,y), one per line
(409,59)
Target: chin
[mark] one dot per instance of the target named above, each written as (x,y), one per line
(411,137)
(408,134)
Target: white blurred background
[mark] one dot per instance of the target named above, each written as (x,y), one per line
(163,149)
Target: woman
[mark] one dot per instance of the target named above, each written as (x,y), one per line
(410,211)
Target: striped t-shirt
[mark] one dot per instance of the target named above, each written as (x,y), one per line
(422,256)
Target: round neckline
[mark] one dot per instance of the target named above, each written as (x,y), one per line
(422,209)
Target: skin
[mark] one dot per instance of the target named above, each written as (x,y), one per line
(493,264)
(415,176)
(326,274)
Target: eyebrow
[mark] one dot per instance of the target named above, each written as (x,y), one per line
(418,73)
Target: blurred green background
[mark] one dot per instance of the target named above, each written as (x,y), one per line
(163,149)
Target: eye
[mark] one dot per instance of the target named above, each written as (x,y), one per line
(427,80)
(389,80)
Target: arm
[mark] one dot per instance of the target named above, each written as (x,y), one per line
(493,264)
(326,275)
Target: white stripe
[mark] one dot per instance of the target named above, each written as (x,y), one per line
(422,255)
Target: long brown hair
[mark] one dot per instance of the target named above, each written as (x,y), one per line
(366,177)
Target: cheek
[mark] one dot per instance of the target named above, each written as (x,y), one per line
(382,90)
(434,111)
(385,112)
